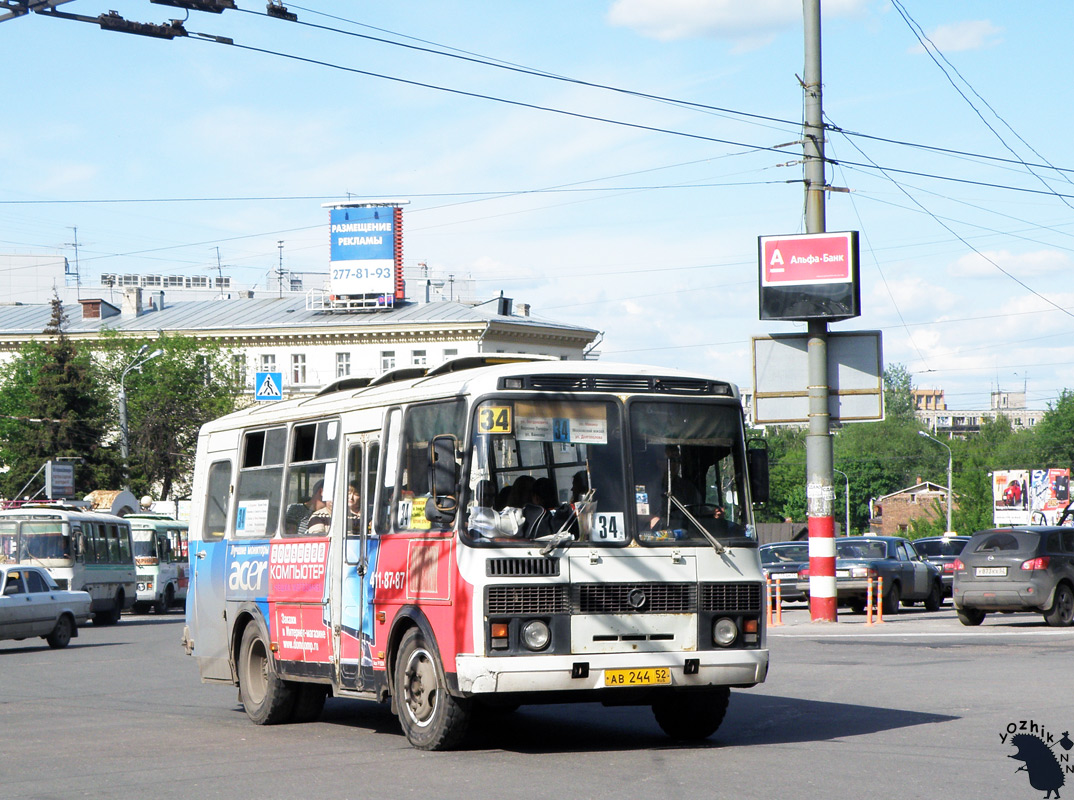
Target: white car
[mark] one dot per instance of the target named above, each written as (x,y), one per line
(31,604)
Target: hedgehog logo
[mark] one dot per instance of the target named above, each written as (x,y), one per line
(1039,762)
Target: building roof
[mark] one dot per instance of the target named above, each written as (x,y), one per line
(248,314)
(917,488)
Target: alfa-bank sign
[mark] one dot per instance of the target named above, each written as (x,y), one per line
(809,276)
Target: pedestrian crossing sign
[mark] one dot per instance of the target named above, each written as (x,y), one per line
(268,386)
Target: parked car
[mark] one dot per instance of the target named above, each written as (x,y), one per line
(942,551)
(1017,569)
(907,576)
(781,561)
(32,604)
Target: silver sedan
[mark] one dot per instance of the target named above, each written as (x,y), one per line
(31,604)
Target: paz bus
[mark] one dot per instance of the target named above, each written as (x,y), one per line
(497,530)
(160,558)
(82,550)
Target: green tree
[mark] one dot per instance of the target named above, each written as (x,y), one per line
(54,405)
(787,475)
(168,400)
(1054,434)
(898,393)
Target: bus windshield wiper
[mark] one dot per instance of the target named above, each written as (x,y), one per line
(716,544)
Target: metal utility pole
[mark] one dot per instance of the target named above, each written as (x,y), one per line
(819,492)
(140,359)
(279,270)
(78,277)
(950,462)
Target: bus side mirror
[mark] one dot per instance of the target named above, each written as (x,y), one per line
(443,477)
(757,463)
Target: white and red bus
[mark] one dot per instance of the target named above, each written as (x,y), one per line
(497,530)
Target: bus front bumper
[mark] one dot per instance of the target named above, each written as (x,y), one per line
(524,674)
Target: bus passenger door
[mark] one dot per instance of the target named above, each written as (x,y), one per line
(359,560)
(208,572)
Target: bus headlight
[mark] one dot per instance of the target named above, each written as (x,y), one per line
(536,635)
(724,631)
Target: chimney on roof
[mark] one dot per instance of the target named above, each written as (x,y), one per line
(132,301)
(156,300)
(523,309)
(503,306)
(95,308)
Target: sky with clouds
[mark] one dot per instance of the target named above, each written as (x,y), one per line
(611,163)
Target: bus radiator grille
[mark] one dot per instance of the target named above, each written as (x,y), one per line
(634,598)
(536,599)
(731,597)
(522,567)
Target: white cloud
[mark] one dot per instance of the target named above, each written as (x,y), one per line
(749,24)
(1022,265)
(962,36)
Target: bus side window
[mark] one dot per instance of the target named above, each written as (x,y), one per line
(218,492)
(311,479)
(260,483)
(354,491)
(114,554)
(372,461)
(388,473)
(423,424)
(78,544)
(126,556)
(90,540)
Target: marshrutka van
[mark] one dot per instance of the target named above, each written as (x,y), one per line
(498,530)
(161,561)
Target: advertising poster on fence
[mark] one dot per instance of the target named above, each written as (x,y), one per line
(1049,494)
(1010,497)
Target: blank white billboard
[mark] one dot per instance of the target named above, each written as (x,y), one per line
(781,377)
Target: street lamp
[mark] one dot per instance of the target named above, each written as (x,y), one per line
(846,532)
(930,438)
(140,358)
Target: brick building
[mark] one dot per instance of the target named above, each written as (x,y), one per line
(891,514)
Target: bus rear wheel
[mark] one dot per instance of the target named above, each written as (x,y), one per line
(430,717)
(166,601)
(110,616)
(266,697)
(691,716)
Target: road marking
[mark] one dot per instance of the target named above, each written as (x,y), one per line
(990,632)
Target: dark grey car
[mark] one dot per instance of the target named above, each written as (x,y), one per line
(1017,569)
(861,560)
(780,561)
(942,551)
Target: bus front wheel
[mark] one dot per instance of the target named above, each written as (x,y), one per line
(691,716)
(430,717)
(267,698)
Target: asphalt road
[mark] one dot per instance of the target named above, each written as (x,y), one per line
(913,708)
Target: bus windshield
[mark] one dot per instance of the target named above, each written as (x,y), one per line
(34,541)
(145,542)
(542,469)
(538,467)
(9,542)
(687,470)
